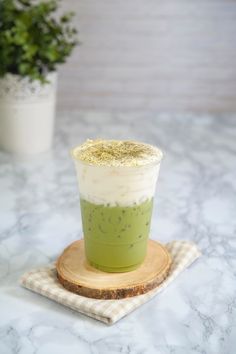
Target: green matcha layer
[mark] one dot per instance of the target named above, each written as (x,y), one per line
(115,236)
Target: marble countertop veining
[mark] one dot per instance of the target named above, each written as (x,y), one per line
(195,200)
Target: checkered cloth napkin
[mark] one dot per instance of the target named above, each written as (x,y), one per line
(44,281)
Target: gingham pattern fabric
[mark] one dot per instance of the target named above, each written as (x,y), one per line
(44,281)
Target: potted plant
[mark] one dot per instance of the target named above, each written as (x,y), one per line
(32,44)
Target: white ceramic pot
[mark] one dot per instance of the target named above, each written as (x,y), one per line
(27,110)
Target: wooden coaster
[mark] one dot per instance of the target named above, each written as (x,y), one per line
(76,275)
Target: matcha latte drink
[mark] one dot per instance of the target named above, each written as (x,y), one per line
(117,183)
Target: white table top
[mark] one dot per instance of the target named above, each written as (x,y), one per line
(195,200)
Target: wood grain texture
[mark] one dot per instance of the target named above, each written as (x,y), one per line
(76,275)
(176,55)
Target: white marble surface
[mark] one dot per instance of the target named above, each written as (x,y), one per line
(195,200)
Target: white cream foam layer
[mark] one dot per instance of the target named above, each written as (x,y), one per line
(116,185)
(116,153)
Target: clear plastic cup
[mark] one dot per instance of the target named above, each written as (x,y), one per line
(116,207)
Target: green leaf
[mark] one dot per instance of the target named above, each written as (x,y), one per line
(24,68)
(52,54)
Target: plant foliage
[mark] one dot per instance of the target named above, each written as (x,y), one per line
(32,40)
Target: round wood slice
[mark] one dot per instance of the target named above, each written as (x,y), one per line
(76,275)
